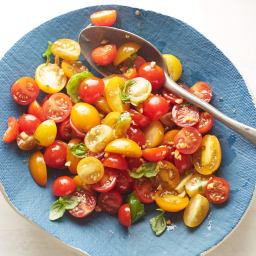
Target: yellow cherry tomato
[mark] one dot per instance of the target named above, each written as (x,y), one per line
(122,125)
(38,168)
(102,105)
(174,66)
(181,186)
(169,202)
(111,119)
(66,49)
(169,137)
(45,133)
(207,158)
(84,116)
(80,184)
(196,211)
(90,170)
(154,134)
(125,51)
(50,78)
(72,160)
(71,68)
(124,147)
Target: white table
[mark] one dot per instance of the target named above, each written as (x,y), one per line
(230,24)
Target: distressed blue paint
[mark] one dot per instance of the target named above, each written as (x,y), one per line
(101,234)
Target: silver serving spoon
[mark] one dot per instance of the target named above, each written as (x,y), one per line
(91,37)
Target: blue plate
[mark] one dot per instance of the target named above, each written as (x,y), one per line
(100,234)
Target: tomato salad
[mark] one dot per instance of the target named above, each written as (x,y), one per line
(125,140)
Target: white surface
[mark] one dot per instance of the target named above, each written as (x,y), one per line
(230,24)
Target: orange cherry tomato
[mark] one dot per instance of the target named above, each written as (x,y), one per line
(104,55)
(202,90)
(72,160)
(155,154)
(71,68)
(205,122)
(104,18)
(36,110)
(12,131)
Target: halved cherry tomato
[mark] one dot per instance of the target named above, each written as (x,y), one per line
(182,162)
(25,90)
(134,162)
(155,154)
(86,205)
(63,186)
(102,105)
(104,18)
(71,68)
(26,142)
(130,73)
(136,135)
(144,189)
(115,161)
(171,153)
(153,73)
(124,215)
(78,132)
(72,160)
(202,90)
(185,116)
(110,201)
(217,190)
(154,133)
(65,130)
(188,140)
(205,122)
(138,62)
(169,137)
(36,110)
(107,182)
(124,182)
(28,123)
(104,55)
(139,119)
(57,107)
(99,155)
(173,65)
(12,131)
(173,98)
(166,120)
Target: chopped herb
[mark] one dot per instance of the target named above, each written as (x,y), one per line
(78,188)
(158,223)
(79,150)
(220,99)
(48,52)
(37,141)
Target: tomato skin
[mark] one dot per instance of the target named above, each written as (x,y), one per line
(202,90)
(136,135)
(91,89)
(104,18)
(124,182)
(46,97)
(65,130)
(153,73)
(205,123)
(115,161)
(139,119)
(170,156)
(183,164)
(78,133)
(155,154)
(25,90)
(104,55)
(36,110)
(174,99)
(55,155)
(134,162)
(130,73)
(12,131)
(155,107)
(217,190)
(124,215)
(144,189)
(28,124)
(110,201)
(63,186)
(139,61)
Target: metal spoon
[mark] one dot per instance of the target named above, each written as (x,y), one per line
(91,37)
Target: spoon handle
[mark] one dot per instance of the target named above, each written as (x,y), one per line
(246,131)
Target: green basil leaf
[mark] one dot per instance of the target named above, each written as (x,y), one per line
(79,150)
(74,83)
(123,95)
(71,202)
(158,224)
(48,52)
(136,175)
(57,210)
(137,208)
(131,59)
(149,169)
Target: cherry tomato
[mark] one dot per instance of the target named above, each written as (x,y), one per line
(86,205)
(65,130)
(155,154)
(155,107)
(184,115)
(134,162)
(57,107)
(202,90)
(26,142)
(107,182)
(63,186)
(136,135)
(124,215)
(91,89)
(174,99)
(115,161)
(36,110)
(144,189)
(110,201)
(12,131)
(25,90)
(72,159)
(71,68)
(171,152)
(99,155)
(46,97)
(139,61)
(78,132)
(205,122)
(183,163)
(154,133)
(130,73)
(188,140)
(124,182)
(173,65)
(28,124)
(104,55)
(217,190)
(103,18)
(55,155)
(139,119)
(153,73)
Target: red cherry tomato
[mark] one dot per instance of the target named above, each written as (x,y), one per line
(217,190)
(155,154)
(170,156)
(137,135)
(144,189)
(103,18)
(202,90)
(36,110)
(55,155)
(185,115)
(134,162)
(130,73)
(28,123)
(57,107)
(63,186)
(173,98)
(139,61)
(155,107)
(107,182)
(86,205)
(205,123)
(139,119)
(64,130)
(98,155)
(110,201)
(124,215)
(104,55)
(91,89)
(153,73)
(124,182)
(25,90)
(12,131)
(183,163)
(115,161)
(76,130)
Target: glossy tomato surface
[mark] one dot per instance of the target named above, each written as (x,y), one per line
(63,186)
(137,135)
(28,123)
(12,131)
(104,55)
(202,90)
(36,109)
(115,161)
(205,123)
(104,18)
(124,215)
(139,119)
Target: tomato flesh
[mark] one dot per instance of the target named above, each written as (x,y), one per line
(202,90)
(36,110)
(155,154)
(63,186)
(104,18)
(110,201)
(115,161)
(144,189)
(65,130)
(205,123)
(28,123)
(124,215)
(12,131)
(104,55)
(124,182)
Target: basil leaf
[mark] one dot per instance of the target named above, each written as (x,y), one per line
(48,52)
(136,174)
(131,59)
(71,202)
(137,208)
(74,83)
(123,95)
(158,224)
(79,150)
(149,169)
(57,210)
